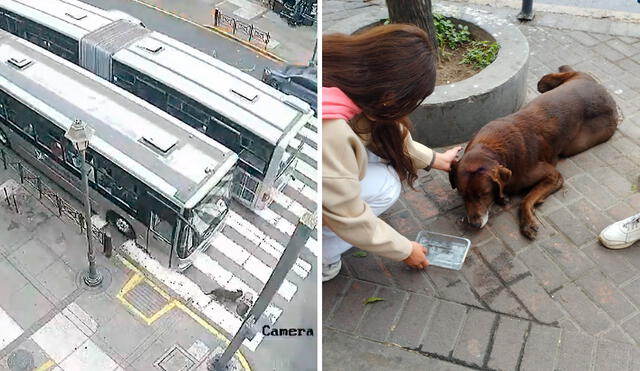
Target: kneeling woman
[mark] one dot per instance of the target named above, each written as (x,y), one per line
(371,82)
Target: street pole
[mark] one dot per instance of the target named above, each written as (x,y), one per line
(313,61)
(301,234)
(92,279)
(526,14)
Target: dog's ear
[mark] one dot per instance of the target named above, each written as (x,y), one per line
(553,80)
(453,172)
(501,175)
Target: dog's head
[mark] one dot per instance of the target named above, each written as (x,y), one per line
(553,80)
(480,181)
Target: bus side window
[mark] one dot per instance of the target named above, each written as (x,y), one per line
(105,177)
(51,138)
(73,158)
(161,227)
(151,93)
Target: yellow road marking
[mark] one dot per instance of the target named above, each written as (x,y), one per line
(247,44)
(174,303)
(45,366)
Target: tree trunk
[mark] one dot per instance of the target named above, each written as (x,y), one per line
(417,12)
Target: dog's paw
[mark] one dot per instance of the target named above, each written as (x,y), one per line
(530,230)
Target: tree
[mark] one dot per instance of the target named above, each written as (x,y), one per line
(417,12)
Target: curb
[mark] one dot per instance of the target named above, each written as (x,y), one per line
(209,28)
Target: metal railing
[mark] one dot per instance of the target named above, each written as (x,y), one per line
(242,30)
(47,196)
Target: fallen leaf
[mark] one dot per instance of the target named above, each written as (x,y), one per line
(634,188)
(372,300)
(360,254)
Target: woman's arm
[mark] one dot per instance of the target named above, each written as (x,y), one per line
(425,158)
(343,211)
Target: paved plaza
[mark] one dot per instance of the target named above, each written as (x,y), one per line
(561,302)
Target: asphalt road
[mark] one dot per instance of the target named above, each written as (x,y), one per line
(209,42)
(618,5)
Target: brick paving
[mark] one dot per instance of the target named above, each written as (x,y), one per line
(561,302)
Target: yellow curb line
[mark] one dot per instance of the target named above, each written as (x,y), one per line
(138,277)
(45,366)
(247,44)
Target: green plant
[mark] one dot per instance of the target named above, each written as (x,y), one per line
(449,34)
(481,54)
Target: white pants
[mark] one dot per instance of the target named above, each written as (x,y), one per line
(380,189)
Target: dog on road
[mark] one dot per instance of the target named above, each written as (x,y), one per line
(519,152)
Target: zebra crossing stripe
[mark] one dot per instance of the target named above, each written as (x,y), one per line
(303,189)
(211,268)
(251,264)
(266,243)
(290,204)
(9,329)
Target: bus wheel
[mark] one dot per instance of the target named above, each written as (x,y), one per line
(122,225)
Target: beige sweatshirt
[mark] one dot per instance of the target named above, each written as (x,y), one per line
(344,165)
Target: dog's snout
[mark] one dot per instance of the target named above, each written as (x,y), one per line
(479,221)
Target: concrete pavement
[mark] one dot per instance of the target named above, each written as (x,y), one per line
(207,41)
(51,321)
(293,44)
(171,320)
(562,302)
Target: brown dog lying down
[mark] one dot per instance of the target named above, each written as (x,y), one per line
(520,151)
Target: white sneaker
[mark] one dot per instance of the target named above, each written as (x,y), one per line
(330,271)
(621,234)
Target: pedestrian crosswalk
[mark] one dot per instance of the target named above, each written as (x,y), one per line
(243,255)
(9,329)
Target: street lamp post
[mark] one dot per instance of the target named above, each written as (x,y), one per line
(79,134)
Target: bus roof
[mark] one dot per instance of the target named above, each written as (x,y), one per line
(154,147)
(69,17)
(258,107)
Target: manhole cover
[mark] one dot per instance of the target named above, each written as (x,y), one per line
(176,359)
(20,360)
(146,299)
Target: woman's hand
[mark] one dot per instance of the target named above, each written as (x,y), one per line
(443,160)
(418,257)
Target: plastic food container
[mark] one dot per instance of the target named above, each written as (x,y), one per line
(444,250)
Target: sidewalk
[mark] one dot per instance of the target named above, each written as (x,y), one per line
(562,302)
(293,44)
(51,321)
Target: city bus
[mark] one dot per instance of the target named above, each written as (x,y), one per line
(248,116)
(154,180)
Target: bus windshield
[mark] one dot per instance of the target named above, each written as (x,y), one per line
(211,210)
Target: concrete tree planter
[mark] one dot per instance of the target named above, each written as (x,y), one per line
(454,112)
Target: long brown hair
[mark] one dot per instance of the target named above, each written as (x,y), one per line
(387,71)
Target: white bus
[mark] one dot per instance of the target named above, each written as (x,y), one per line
(153,179)
(248,116)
